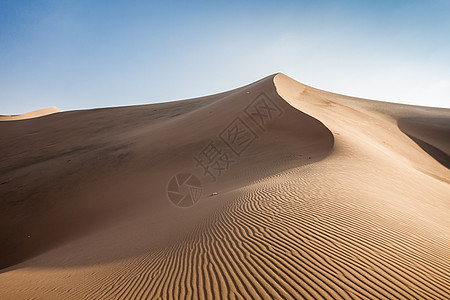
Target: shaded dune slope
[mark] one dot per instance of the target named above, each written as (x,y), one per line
(432,135)
(331,201)
(80,169)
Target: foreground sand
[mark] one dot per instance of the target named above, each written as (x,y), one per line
(321,196)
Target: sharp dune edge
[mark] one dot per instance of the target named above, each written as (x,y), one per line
(336,198)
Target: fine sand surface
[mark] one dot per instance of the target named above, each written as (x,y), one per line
(319,196)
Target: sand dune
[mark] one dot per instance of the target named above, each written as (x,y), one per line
(29,115)
(286,192)
(431,134)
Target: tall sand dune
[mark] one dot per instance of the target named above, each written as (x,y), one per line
(275,190)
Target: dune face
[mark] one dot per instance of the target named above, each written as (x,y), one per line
(275,190)
(90,165)
(30,115)
(432,135)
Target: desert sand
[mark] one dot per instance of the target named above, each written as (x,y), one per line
(29,115)
(275,190)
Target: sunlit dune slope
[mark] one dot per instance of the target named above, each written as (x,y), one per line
(299,193)
(29,115)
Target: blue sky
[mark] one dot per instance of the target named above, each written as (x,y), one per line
(87,54)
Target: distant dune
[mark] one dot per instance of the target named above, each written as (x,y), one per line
(274,190)
(29,115)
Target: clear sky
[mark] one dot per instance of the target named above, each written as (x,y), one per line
(76,54)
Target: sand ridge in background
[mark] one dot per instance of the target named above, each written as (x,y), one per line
(29,115)
(332,200)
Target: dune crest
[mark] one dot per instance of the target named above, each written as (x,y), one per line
(29,115)
(274,190)
(376,123)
